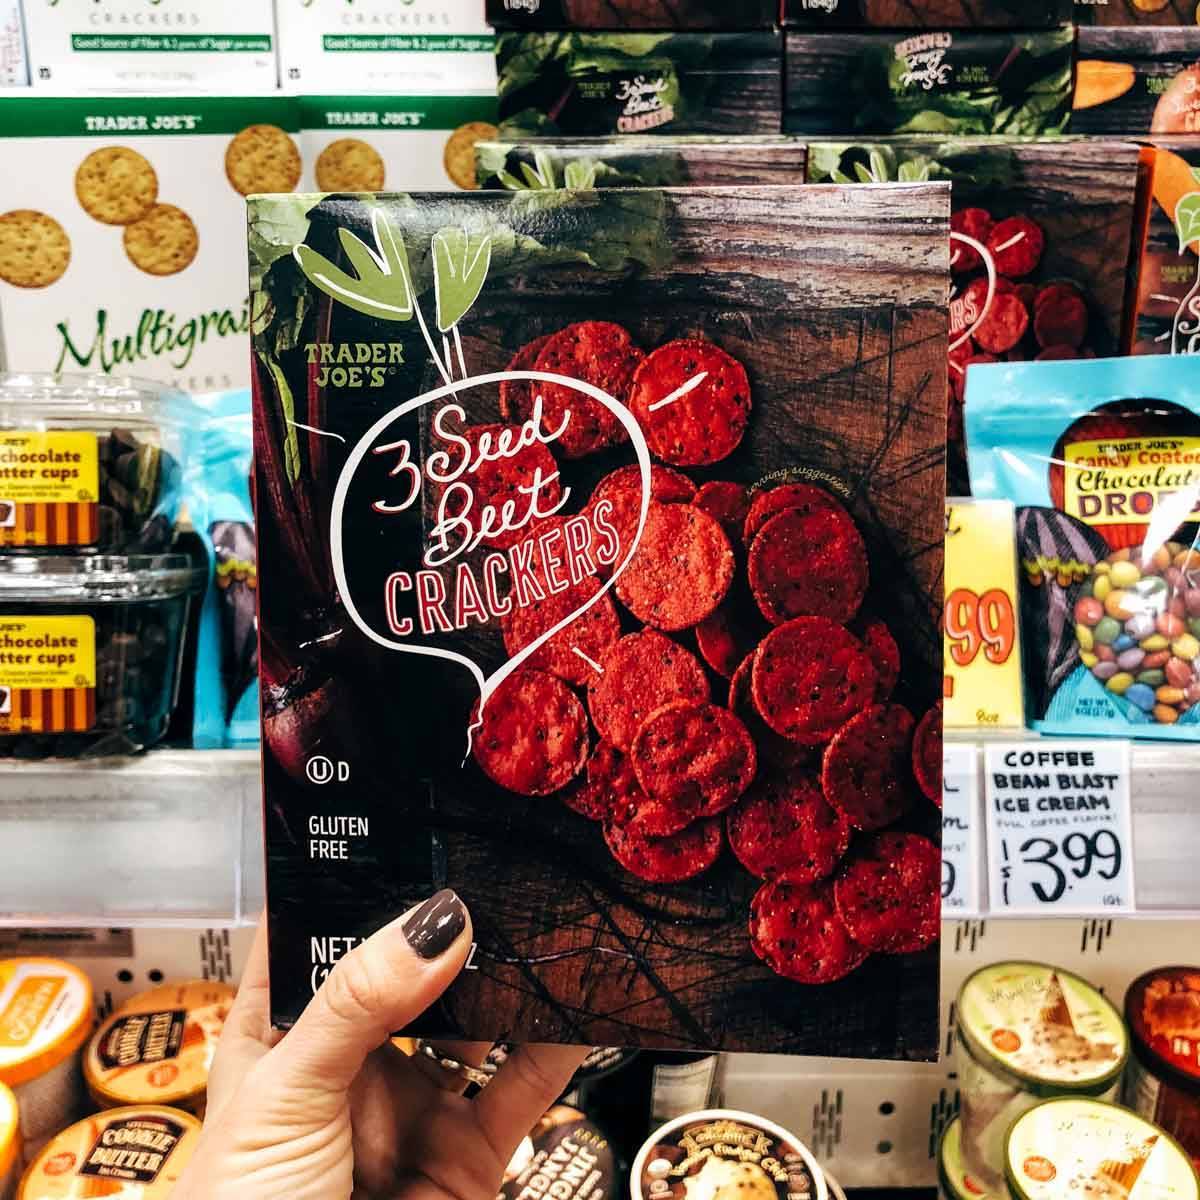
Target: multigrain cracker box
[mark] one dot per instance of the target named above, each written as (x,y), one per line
(596,574)
(122,243)
(372,143)
(151,45)
(411,48)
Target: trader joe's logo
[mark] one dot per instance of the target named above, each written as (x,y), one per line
(488,491)
(924,62)
(1185,331)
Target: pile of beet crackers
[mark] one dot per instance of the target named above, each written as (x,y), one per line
(803,763)
(1025,319)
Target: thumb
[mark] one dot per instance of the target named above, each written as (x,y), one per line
(378,988)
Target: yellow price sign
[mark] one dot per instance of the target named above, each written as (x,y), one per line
(981,635)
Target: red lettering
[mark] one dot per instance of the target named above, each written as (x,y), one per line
(397,581)
(552,561)
(491,590)
(578,532)
(467,601)
(610,544)
(431,595)
(526,588)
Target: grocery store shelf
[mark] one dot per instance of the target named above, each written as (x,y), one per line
(174,837)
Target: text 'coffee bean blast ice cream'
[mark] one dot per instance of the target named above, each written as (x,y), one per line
(1026,1032)
(722,1154)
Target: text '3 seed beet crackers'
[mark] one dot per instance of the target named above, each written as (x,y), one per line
(600,570)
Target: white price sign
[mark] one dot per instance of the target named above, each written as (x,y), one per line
(960,831)
(1059,827)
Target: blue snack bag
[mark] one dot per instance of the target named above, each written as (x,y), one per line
(217,495)
(1102,459)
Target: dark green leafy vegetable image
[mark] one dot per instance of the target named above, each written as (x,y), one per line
(956,83)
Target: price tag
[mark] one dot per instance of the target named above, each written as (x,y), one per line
(1059,827)
(960,831)
(983,687)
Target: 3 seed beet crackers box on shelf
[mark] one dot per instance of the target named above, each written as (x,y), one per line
(600,568)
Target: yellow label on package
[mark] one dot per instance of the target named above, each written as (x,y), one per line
(47,674)
(982,687)
(1123,481)
(49,488)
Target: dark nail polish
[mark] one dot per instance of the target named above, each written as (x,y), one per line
(435,926)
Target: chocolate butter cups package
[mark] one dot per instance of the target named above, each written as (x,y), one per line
(1102,459)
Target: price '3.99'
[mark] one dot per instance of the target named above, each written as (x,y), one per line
(1098,852)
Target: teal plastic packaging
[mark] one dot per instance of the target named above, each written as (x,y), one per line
(1102,459)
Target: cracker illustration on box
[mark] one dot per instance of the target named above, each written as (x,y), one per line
(121,236)
(565,474)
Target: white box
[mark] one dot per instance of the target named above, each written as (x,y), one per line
(219,46)
(94,275)
(395,144)
(14,67)
(419,47)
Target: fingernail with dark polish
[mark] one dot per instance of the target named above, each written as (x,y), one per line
(435,926)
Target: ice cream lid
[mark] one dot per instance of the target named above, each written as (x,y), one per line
(46,1014)
(8,1131)
(1043,1027)
(566,1156)
(1162,1009)
(957,1182)
(158,1047)
(139,1153)
(1073,1147)
(722,1154)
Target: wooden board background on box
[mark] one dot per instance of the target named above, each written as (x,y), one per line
(834,300)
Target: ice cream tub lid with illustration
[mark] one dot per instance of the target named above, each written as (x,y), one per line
(721,1154)
(1102,459)
(124,1153)
(1162,1009)
(158,1047)
(45,1016)
(1045,1029)
(1080,1147)
(954,1179)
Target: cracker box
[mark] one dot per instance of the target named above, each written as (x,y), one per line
(379,46)
(945,81)
(368,143)
(1168,278)
(1135,12)
(706,15)
(169,46)
(928,14)
(510,450)
(1052,220)
(122,234)
(14,67)
(601,84)
(541,163)
(1133,82)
